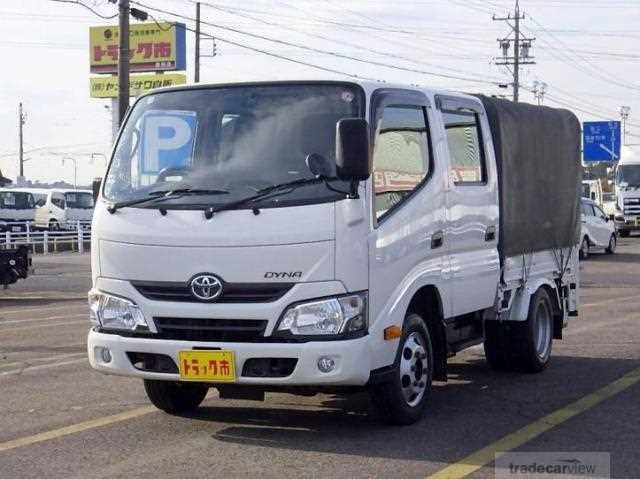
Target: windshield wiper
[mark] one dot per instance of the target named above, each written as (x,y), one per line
(269,191)
(164,195)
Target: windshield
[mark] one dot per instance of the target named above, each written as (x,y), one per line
(233,140)
(629,174)
(16,200)
(608,197)
(79,200)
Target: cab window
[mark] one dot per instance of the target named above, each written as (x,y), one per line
(401,156)
(466,152)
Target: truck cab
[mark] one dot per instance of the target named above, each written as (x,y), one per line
(627,186)
(62,209)
(304,236)
(17,208)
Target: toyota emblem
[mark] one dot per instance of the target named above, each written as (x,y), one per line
(206,287)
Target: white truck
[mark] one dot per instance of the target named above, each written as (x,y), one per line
(17,208)
(62,209)
(309,237)
(627,185)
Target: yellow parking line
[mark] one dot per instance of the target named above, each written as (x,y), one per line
(75,428)
(51,308)
(28,369)
(39,326)
(27,362)
(47,318)
(486,455)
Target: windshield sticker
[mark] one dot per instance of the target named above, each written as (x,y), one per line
(167,140)
(71,198)
(9,199)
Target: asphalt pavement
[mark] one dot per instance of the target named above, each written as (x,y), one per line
(60,419)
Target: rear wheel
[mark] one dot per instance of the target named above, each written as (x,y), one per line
(403,399)
(524,345)
(175,397)
(612,245)
(54,225)
(584,248)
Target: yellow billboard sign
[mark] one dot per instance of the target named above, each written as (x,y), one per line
(107,86)
(152,47)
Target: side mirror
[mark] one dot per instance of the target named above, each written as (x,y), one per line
(353,161)
(611,217)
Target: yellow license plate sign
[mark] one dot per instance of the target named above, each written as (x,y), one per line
(218,366)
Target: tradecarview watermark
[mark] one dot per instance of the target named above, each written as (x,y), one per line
(547,465)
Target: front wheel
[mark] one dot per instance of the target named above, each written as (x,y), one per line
(402,399)
(612,245)
(584,248)
(175,397)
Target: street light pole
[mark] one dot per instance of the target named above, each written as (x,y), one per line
(625,111)
(75,171)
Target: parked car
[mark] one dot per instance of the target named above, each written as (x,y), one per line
(598,230)
(61,209)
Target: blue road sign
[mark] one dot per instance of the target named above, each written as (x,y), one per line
(601,141)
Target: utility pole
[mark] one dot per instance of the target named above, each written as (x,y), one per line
(123,60)
(521,48)
(196,63)
(625,111)
(539,90)
(21,121)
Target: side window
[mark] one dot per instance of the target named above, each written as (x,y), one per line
(58,201)
(465,147)
(599,212)
(401,156)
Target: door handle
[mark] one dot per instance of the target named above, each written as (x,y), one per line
(437,239)
(490,233)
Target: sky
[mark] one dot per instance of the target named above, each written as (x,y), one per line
(584,50)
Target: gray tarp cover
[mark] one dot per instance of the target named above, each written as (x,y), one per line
(539,175)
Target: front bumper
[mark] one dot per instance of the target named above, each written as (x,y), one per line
(629,223)
(351,358)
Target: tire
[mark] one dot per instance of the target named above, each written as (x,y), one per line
(624,233)
(612,245)
(584,248)
(54,225)
(402,399)
(522,346)
(175,397)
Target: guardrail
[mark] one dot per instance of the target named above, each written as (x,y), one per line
(46,241)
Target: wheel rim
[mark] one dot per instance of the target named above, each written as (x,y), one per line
(543,330)
(414,368)
(585,247)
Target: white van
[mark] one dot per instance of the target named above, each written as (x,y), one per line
(61,209)
(331,236)
(17,208)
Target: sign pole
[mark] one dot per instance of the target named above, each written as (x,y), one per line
(196,63)
(123,60)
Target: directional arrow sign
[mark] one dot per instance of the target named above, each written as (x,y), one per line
(601,141)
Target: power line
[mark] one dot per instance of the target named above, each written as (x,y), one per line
(338,41)
(78,2)
(318,50)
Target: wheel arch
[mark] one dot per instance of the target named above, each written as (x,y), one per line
(520,310)
(427,302)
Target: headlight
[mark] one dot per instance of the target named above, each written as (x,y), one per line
(330,316)
(111,312)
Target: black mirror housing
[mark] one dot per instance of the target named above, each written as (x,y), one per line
(353,161)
